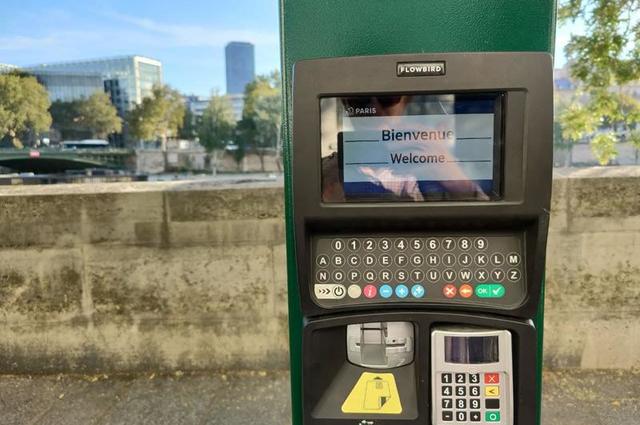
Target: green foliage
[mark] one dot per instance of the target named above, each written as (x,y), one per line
(159,116)
(218,123)
(603,60)
(259,128)
(577,122)
(24,107)
(604,147)
(189,128)
(94,117)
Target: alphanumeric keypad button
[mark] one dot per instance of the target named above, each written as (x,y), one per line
(337,244)
(474,391)
(353,244)
(447,390)
(369,276)
(449,275)
(401,260)
(513,259)
(401,244)
(386,276)
(338,276)
(384,244)
(417,259)
(448,260)
(385,260)
(461,416)
(445,378)
(433,260)
(401,276)
(464,244)
(492,403)
(514,275)
(416,244)
(461,391)
(417,276)
(353,260)
(460,378)
(481,275)
(480,243)
(497,259)
(465,259)
(322,276)
(447,416)
(447,403)
(433,244)
(474,378)
(449,244)
(465,275)
(322,260)
(369,260)
(338,260)
(433,275)
(497,275)
(474,403)
(481,260)
(369,245)
(354,276)
(475,416)
(461,403)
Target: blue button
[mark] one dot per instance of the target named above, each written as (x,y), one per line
(402,291)
(417,291)
(385,291)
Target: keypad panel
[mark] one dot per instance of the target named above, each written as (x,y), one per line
(483,269)
(474,398)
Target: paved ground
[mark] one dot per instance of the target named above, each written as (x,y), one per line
(259,398)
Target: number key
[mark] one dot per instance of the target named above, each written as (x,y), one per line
(447,391)
(447,403)
(461,416)
(461,391)
(354,244)
(474,403)
(369,245)
(460,378)
(474,378)
(446,378)
(474,391)
(448,243)
(461,403)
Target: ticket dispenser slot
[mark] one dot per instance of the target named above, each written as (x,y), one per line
(382,345)
(472,377)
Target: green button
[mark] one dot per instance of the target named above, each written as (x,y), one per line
(490,290)
(492,416)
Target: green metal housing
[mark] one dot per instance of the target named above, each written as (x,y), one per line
(333,28)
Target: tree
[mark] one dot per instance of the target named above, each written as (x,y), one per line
(158,117)
(217,127)
(24,107)
(260,125)
(189,128)
(94,117)
(98,115)
(603,60)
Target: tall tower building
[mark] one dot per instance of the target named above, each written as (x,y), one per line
(240,61)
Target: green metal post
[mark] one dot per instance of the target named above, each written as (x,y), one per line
(335,28)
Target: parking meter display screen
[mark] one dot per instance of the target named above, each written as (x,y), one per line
(471,350)
(411,148)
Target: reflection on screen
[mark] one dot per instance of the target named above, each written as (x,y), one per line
(471,350)
(410,148)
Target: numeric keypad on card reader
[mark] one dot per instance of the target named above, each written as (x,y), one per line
(483,269)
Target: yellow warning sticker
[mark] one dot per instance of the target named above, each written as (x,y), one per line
(374,393)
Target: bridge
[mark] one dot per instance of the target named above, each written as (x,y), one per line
(51,160)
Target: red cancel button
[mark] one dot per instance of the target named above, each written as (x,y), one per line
(491,378)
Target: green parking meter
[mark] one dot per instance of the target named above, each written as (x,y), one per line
(418,190)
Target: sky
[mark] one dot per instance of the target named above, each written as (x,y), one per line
(188,36)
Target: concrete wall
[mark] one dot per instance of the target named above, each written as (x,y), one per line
(147,276)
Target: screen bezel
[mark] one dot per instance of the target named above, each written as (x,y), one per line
(496,193)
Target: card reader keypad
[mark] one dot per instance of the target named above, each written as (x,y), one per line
(474,398)
(484,269)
